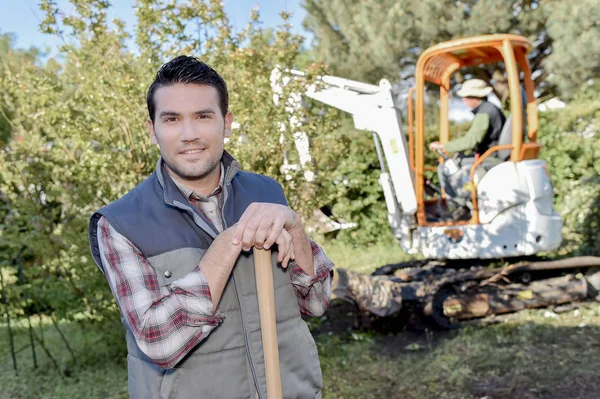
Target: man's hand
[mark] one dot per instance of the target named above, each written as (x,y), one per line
(436,145)
(263,225)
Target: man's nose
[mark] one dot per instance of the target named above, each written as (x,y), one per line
(189,132)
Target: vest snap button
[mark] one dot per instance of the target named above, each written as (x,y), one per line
(168,274)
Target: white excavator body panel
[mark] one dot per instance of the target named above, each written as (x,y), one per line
(517,217)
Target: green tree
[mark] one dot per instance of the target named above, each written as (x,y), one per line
(9,58)
(372,39)
(78,139)
(574,59)
(572,150)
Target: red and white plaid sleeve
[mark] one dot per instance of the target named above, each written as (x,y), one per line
(314,293)
(168,321)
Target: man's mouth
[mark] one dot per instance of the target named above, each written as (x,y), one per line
(192,151)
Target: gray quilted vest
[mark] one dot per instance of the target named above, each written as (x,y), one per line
(173,236)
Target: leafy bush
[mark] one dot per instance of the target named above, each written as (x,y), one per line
(572,150)
(356,195)
(78,139)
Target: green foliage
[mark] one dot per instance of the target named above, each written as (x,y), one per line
(355,194)
(574,59)
(78,138)
(100,370)
(572,150)
(9,58)
(369,40)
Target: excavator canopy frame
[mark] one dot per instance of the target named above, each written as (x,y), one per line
(436,65)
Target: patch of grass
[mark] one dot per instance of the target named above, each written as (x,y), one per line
(527,356)
(100,370)
(364,260)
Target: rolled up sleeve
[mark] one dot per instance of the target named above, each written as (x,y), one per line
(313,292)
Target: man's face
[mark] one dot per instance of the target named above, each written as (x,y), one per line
(189,129)
(471,102)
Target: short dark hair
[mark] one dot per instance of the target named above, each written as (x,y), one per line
(187,70)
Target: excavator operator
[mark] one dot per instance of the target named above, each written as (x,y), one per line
(483,133)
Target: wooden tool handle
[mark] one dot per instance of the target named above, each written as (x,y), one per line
(266,305)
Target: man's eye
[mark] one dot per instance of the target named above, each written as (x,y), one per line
(203,116)
(170,119)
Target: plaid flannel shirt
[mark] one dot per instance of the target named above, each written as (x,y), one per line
(169,321)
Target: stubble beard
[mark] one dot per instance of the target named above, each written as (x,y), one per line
(193,172)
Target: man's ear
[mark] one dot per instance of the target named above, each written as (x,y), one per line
(228,122)
(150,127)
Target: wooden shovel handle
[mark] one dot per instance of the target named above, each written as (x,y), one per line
(263,270)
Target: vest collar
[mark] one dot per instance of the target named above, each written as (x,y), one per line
(232,167)
(170,190)
(476,109)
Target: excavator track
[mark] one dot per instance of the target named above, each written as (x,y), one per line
(452,292)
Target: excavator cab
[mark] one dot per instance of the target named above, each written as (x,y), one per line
(511,203)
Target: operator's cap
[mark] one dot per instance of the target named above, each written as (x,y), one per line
(474,88)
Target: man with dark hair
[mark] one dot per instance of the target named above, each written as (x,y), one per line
(177,254)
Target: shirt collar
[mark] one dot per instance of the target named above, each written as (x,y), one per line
(228,164)
(191,194)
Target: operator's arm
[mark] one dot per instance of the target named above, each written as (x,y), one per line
(166,321)
(474,135)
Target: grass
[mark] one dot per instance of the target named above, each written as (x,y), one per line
(364,260)
(528,355)
(100,369)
